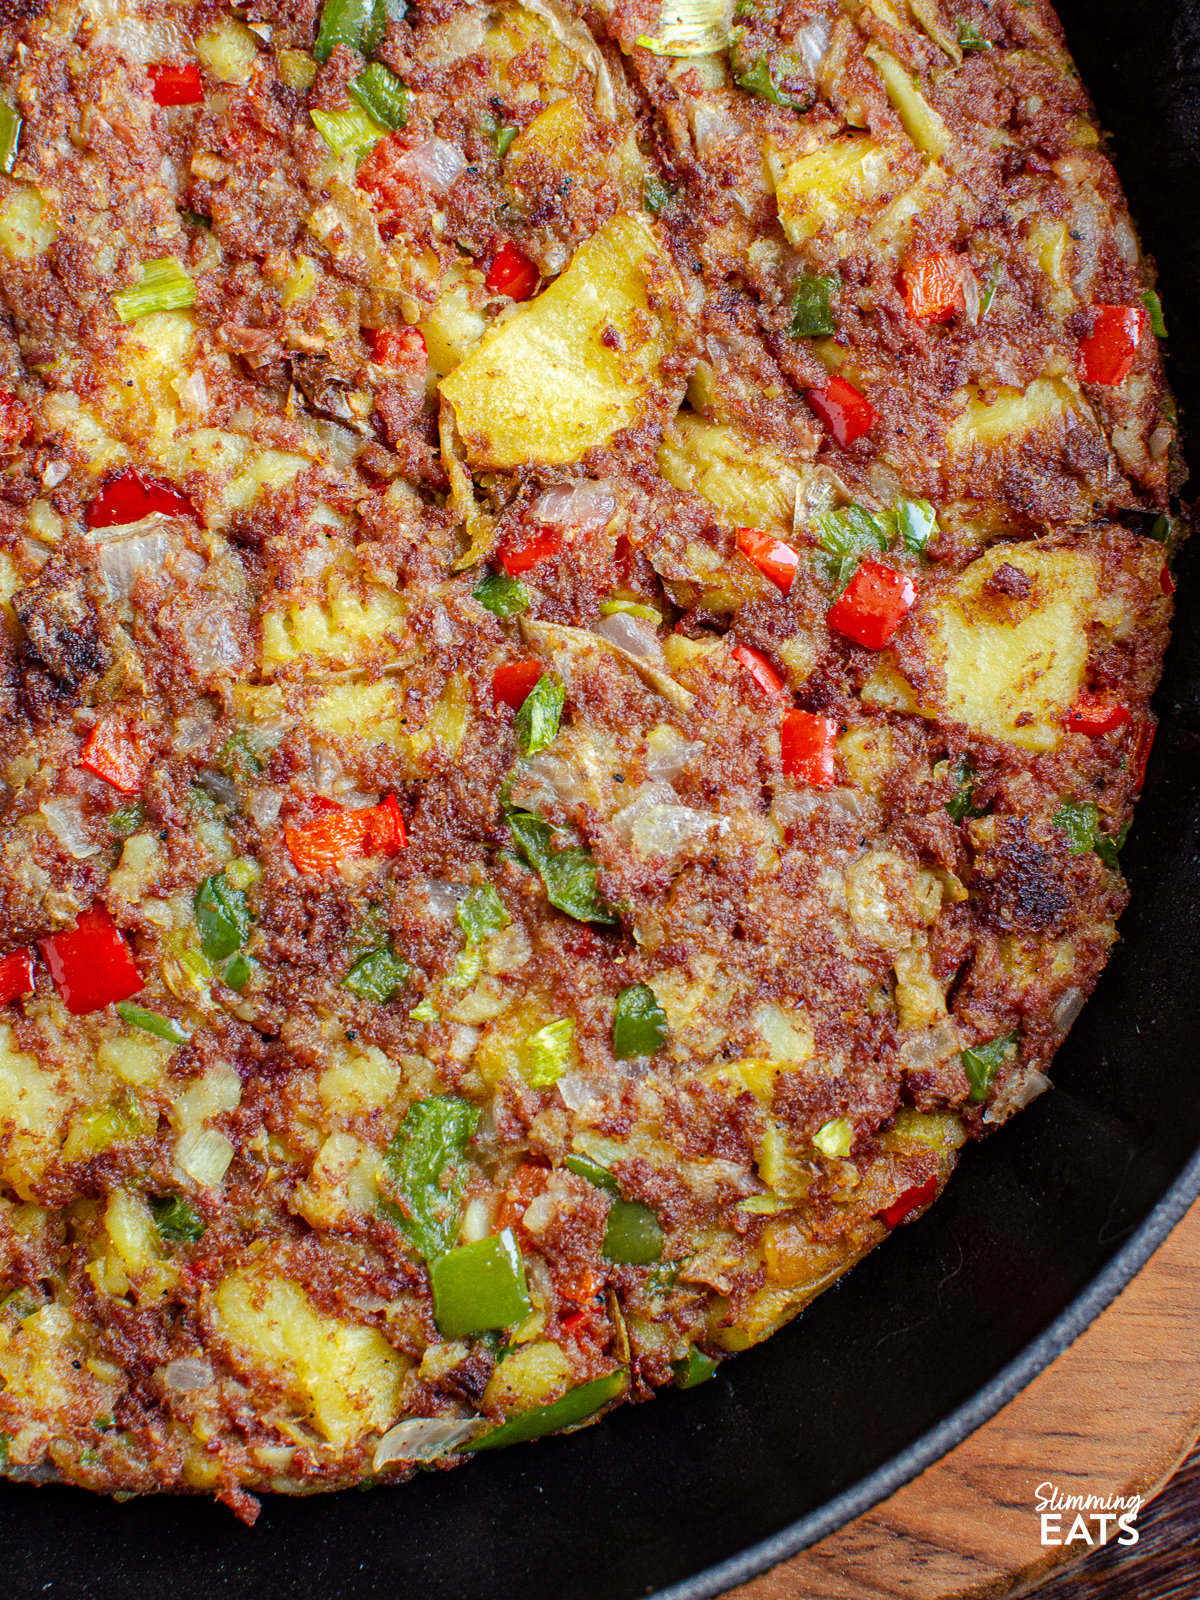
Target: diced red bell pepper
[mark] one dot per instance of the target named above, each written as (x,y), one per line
(759,668)
(932,286)
(513,683)
(91,964)
(401,349)
(808,744)
(16,422)
(16,976)
(335,835)
(873,604)
(1095,714)
(773,558)
(904,1205)
(1106,355)
(112,754)
(512,273)
(1166,580)
(176,83)
(128,497)
(1140,759)
(385,174)
(526,550)
(846,413)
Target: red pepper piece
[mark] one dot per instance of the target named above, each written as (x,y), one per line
(16,422)
(773,558)
(113,755)
(332,836)
(759,668)
(1141,753)
(16,976)
(920,1195)
(846,413)
(176,83)
(512,273)
(873,604)
(1166,580)
(401,349)
(128,497)
(808,744)
(526,1183)
(91,964)
(513,682)
(527,550)
(385,174)
(1106,355)
(1095,714)
(932,286)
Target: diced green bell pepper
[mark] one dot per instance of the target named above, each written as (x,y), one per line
(152,1022)
(10,136)
(585,1167)
(576,1406)
(222,916)
(480,1286)
(377,975)
(480,913)
(177,1220)
(845,537)
(695,1368)
(501,595)
(425,1171)
(639,1023)
(634,1235)
(380,93)
(569,875)
(360,24)
(812,316)
(982,1062)
(537,721)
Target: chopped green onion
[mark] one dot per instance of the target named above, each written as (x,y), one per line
(548,1053)
(222,916)
(695,1368)
(537,722)
(982,1062)
(631,608)
(480,1286)
(811,313)
(237,973)
(501,595)
(585,1167)
(360,24)
(576,1406)
(425,1172)
(165,286)
(639,1023)
(481,913)
(961,803)
(844,537)
(1152,304)
(834,1138)
(381,94)
(152,1022)
(1079,821)
(916,524)
(634,1235)
(177,1220)
(569,875)
(656,197)
(126,820)
(377,975)
(348,130)
(10,136)
(969,38)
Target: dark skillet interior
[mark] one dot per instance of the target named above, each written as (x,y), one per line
(658,1494)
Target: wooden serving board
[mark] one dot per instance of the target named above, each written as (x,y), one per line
(1114,1415)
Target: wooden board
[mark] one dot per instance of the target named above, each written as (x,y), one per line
(1114,1415)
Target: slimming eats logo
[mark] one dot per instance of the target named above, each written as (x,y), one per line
(1086,1518)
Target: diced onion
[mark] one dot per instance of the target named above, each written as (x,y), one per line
(212,643)
(186,1374)
(712,126)
(425,1439)
(141,40)
(204,1155)
(927,1049)
(811,42)
(586,506)
(64,818)
(668,753)
(1016,1093)
(568,30)
(634,634)
(690,28)
(436,162)
(442,898)
(1070,1004)
(143,548)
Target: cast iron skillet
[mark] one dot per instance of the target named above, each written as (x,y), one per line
(1038,1230)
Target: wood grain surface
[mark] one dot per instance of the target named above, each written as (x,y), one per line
(1114,1416)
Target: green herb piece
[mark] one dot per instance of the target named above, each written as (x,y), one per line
(480,1286)
(127,820)
(5,1444)
(424,1011)
(982,1062)
(194,219)
(1152,304)
(501,595)
(961,803)
(381,94)
(639,1023)
(844,537)
(222,916)
(481,913)
(569,875)
(548,1053)
(969,38)
(991,284)
(916,524)
(377,975)
(1170,533)
(10,136)
(425,1171)
(164,286)
(834,1138)
(656,197)
(758,79)
(585,1167)
(360,24)
(237,759)
(177,1220)
(811,313)
(576,1406)
(1109,845)
(502,136)
(631,608)
(1079,821)
(695,1368)
(634,1235)
(237,973)
(354,130)
(151,1022)
(537,722)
